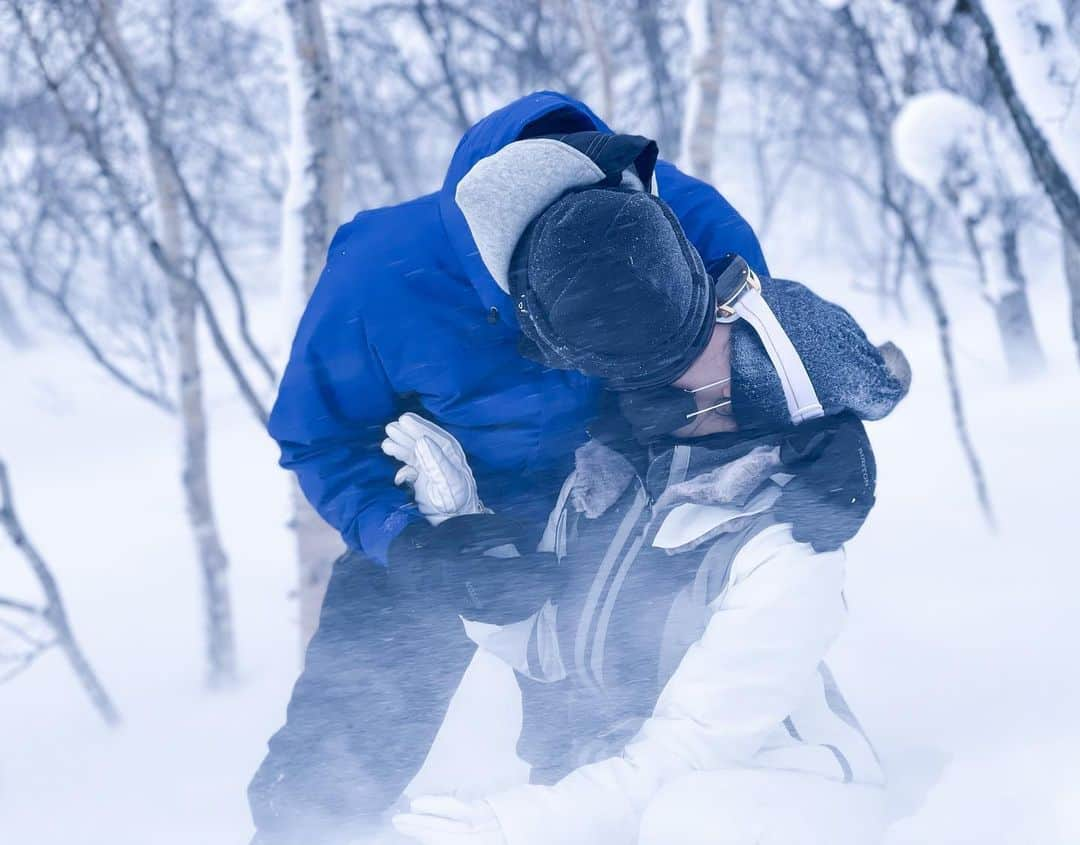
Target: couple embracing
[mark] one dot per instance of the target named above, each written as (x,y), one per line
(562,413)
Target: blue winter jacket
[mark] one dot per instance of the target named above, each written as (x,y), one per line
(406,316)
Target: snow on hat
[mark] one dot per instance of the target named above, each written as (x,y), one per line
(847,371)
(607,283)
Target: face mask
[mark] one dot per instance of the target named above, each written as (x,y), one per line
(659,411)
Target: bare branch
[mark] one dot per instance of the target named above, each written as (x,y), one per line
(82,333)
(117,51)
(134,215)
(54,612)
(22,607)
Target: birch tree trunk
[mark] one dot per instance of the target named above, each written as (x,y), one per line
(1012,310)
(195,471)
(705,23)
(647,14)
(1049,170)
(598,46)
(220,642)
(312,208)
(1072,279)
(1071,10)
(54,613)
(1004,284)
(10,328)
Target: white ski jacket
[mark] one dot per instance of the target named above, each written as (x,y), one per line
(752,692)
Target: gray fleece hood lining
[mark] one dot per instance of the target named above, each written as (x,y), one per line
(504,192)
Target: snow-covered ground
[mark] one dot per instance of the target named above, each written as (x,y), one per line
(960,656)
(96,480)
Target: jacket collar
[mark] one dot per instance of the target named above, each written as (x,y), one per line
(679,473)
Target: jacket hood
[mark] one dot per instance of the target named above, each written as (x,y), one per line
(539,113)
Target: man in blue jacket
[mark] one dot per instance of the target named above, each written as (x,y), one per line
(413,311)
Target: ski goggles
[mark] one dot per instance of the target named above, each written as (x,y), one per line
(744,301)
(663,410)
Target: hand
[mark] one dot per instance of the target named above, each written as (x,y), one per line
(436,467)
(835,475)
(443,820)
(479,563)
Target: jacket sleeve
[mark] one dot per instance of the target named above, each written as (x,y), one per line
(711,223)
(333,402)
(768,632)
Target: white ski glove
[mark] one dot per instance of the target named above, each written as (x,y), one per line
(435,466)
(444,820)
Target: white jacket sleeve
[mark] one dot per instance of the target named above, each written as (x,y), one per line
(770,628)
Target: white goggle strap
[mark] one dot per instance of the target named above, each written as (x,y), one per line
(802,399)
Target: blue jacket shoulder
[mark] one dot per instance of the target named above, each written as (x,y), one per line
(381,245)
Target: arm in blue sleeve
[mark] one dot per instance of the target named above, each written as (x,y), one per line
(333,402)
(711,223)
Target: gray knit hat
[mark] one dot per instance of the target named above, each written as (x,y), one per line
(847,371)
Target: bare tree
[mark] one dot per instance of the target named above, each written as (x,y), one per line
(1052,173)
(845,138)
(958,154)
(596,37)
(879,103)
(84,55)
(195,473)
(1071,257)
(312,210)
(147,111)
(89,126)
(10,326)
(39,628)
(420,73)
(649,19)
(1048,168)
(705,22)
(75,260)
(115,347)
(1012,310)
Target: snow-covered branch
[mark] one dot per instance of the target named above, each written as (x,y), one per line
(962,157)
(1036,67)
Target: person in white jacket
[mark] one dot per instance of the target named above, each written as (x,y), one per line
(674,686)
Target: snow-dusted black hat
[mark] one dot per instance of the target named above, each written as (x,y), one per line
(607,283)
